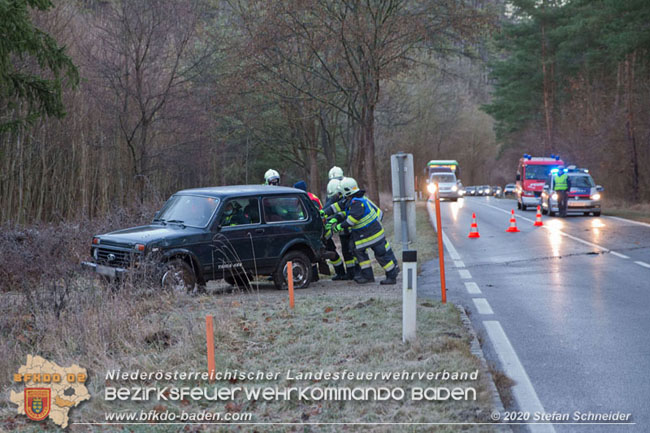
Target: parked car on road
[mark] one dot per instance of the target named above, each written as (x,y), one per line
(584,195)
(232,232)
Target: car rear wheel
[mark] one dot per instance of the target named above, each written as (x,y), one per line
(178,276)
(301,271)
(597,213)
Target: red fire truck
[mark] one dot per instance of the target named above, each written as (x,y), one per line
(532,172)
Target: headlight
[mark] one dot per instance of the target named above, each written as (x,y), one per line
(461,192)
(95,253)
(431,188)
(595,196)
(454,188)
(554,196)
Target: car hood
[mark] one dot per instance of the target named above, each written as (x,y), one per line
(150,233)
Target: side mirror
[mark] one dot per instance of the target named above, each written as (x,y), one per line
(599,188)
(518,176)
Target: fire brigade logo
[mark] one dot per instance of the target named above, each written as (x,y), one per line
(49,390)
(37,403)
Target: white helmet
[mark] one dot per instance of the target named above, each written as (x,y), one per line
(271,177)
(348,186)
(333,187)
(335,173)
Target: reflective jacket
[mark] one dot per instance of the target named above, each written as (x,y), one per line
(561,182)
(364,219)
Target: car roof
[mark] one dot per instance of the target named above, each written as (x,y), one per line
(240,190)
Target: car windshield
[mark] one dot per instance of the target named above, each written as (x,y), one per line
(189,210)
(510,185)
(443,178)
(538,172)
(582,182)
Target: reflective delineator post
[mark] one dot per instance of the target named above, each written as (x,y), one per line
(409,295)
(441,254)
(209,338)
(290,283)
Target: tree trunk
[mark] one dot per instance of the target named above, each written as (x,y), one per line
(630,62)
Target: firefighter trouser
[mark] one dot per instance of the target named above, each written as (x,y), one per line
(337,262)
(347,249)
(384,255)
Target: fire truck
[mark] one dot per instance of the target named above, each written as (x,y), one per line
(532,172)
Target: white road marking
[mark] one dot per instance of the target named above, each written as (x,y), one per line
(523,390)
(482,306)
(453,254)
(644,264)
(629,221)
(550,228)
(623,256)
(472,288)
(464,274)
(459,263)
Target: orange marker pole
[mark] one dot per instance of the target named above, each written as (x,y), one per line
(209,338)
(290,283)
(441,256)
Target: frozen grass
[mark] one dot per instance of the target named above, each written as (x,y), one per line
(633,211)
(350,330)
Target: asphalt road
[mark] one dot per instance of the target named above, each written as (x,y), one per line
(563,309)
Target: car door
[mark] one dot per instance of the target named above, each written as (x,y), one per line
(285,218)
(233,246)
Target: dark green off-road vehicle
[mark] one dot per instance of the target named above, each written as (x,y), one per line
(234,232)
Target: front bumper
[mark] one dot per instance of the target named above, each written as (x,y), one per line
(106,271)
(530,201)
(449,194)
(577,205)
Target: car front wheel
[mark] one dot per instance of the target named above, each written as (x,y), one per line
(178,276)
(301,271)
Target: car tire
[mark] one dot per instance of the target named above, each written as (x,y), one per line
(551,213)
(301,271)
(523,206)
(597,213)
(585,213)
(544,211)
(178,276)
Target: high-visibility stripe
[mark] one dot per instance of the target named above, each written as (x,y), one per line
(365,264)
(351,221)
(337,207)
(350,263)
(389,266)
(371,239)
(336,262)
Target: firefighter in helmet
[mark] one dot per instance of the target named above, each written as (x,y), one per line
(271,177)
(363,218)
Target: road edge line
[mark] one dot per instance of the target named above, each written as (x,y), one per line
(523,390)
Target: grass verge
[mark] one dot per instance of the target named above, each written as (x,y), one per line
(636,211)
(151,331)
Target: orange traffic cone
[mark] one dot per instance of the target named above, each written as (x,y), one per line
(538,218)
(513,223)
(473,229)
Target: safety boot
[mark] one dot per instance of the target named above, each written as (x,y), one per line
(365,276)
(340,273)
(391,277)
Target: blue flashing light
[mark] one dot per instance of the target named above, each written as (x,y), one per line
(555,170)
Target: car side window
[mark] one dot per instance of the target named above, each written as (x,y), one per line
(279,209)
(240,211)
